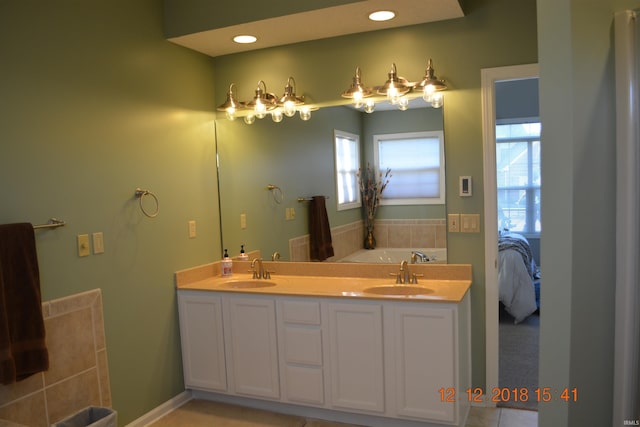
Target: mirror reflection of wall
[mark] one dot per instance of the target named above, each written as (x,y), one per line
(298,157)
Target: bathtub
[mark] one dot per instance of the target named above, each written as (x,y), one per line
(395,255)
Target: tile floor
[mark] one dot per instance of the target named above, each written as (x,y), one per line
(197,413)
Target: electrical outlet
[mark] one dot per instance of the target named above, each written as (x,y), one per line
(453,221)
(192,229)
(243,221)
(83,245)
(98,243)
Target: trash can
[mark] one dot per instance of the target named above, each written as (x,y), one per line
(91,416)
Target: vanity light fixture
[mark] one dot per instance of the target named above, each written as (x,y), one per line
(431,86)
(395,86)
(289,101)
(357,91)
(264,103)
(231,105)
(397,90)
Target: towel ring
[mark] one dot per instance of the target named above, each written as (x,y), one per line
(140,193)
(276,192)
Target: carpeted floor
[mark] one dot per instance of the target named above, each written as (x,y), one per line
(518,367)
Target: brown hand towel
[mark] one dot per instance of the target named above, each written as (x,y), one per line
(23,349)
(319,230)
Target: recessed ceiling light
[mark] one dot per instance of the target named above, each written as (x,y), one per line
(382,15)
(244,39)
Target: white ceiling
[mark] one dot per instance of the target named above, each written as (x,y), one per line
(319,24)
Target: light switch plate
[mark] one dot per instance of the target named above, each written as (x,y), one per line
(98,243)
(83,245)
(192,229)
(453,221)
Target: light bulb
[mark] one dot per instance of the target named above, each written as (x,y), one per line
(276,115)
(392,95)
(231,113)
(289,109)
(249,119)
(437,100)
(403,104)
(260,109)
(428,92)
(369,106)
(305,113)
(357,99)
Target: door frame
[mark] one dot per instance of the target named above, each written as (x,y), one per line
(489,76)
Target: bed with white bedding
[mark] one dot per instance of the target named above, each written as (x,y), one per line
(517,272)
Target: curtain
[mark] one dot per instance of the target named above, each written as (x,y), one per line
(626,393)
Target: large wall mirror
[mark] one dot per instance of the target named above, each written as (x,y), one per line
(266,167)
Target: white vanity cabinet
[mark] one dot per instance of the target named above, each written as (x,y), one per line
(251,345)
(202,339)
(364,361)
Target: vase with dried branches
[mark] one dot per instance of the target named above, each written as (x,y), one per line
(372,185)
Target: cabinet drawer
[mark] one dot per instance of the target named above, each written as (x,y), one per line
(304,312)
(302,345)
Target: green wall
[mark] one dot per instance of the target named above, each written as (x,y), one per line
(577,105)
(94,104)
(494,33)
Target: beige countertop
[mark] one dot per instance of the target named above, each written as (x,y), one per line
(442,282)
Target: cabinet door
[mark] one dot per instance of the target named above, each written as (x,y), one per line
(202,340)
(252,346)
(425,361)
(356,356)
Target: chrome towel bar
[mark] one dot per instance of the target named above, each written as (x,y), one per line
(307,199)
(52,223)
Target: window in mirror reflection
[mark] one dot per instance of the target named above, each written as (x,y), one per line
(347,161)
(416,161)
(518,177)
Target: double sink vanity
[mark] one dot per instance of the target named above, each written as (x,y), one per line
(333,341)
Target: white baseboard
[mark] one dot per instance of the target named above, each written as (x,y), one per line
(162,410)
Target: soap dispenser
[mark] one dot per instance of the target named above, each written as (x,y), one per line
(243,256)
(226,265)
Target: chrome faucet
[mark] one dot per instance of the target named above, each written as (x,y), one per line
(415,255)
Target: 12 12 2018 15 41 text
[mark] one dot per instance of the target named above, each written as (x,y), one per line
(504,394)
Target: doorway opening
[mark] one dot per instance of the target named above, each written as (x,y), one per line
(511,140)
